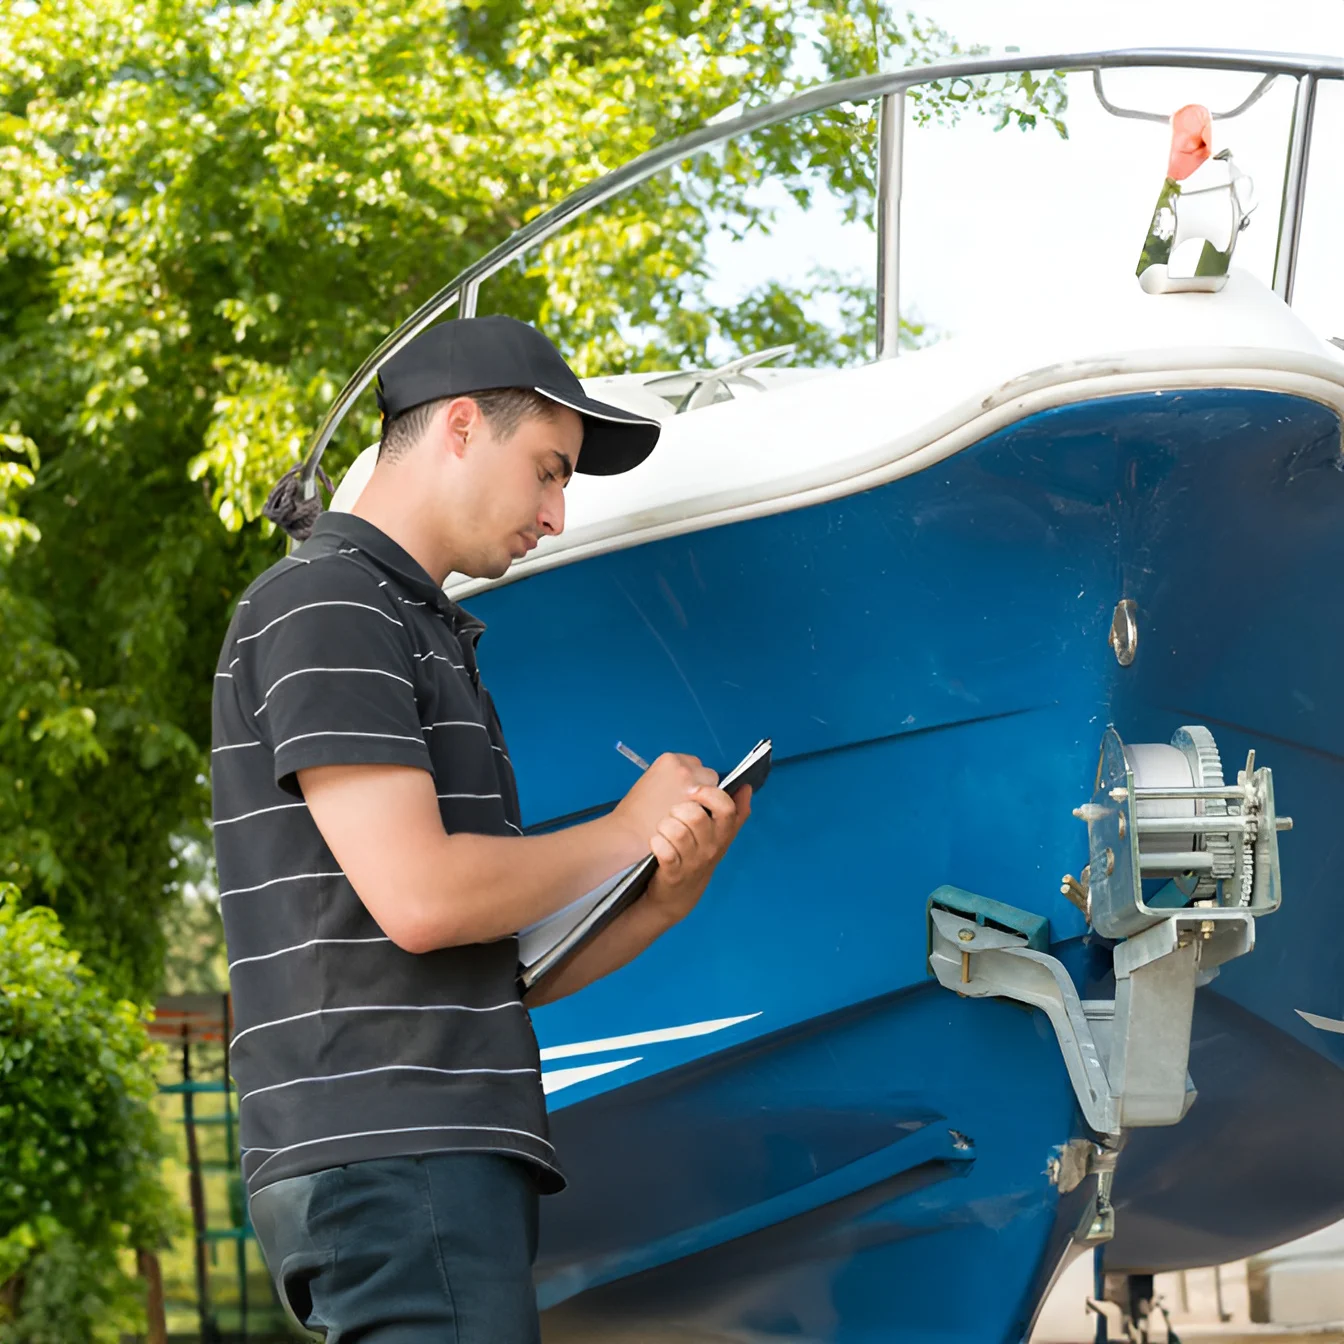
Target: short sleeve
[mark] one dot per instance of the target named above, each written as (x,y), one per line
(332,669)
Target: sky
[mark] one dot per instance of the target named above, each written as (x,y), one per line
(993,221)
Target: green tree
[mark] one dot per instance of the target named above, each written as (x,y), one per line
(79,1141)
(210,213)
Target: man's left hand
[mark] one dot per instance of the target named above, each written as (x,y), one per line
(688,845)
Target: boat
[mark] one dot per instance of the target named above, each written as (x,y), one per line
(1018,959)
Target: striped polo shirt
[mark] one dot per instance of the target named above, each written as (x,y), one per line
(345,1047)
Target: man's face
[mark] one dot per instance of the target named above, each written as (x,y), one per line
(509,492)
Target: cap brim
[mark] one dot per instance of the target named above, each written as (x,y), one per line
(614,440)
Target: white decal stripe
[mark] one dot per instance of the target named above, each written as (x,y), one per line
(1321,1023)
(644,1038)
(554,1080)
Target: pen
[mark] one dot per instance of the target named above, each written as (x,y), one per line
(631,756)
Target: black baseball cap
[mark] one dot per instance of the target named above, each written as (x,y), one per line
(480,354)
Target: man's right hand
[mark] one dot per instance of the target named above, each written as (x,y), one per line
(670,780)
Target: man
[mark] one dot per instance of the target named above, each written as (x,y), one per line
(373,871)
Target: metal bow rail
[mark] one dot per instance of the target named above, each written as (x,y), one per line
(889,90)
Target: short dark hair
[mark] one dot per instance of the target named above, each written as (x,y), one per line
(505,408)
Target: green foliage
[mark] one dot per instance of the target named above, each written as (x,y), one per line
(196,961)
(72,1292)
(79,1140)
(210,213)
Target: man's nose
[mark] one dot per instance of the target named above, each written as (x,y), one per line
(552,515)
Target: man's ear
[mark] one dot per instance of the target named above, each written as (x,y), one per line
(459,419)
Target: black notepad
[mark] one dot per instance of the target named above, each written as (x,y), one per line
(546,944)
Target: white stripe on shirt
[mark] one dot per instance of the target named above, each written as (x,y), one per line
(298,947)
(261,886)
(333,732)
(384,1068)
(380,1008)
(303,671)
(374,1133)
(233,746)
(310,606)
(260,812)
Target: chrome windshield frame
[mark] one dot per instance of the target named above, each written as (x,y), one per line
(889,91)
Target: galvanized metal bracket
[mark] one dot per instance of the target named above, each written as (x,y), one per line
(1069,1166)
(1158,811)
(1127,1057)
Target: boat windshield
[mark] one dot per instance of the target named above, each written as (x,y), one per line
(890,210)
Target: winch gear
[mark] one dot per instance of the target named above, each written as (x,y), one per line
(1206,769)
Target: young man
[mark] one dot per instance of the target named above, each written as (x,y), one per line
(373,872)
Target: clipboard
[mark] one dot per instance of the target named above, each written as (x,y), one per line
(544,946)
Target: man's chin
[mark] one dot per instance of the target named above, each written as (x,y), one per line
(491,569)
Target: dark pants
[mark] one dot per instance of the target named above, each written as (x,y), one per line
(406,1250)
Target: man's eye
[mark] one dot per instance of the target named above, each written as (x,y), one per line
(547,477)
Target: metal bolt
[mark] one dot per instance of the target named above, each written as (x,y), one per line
(965,968)
(966,935)
(1206,927)
(1110,862)
(1123,825)
(1076,891)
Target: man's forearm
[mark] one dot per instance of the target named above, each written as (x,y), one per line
(482,888)
(621,942)
(428,889)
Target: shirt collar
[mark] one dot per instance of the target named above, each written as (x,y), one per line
(394,560)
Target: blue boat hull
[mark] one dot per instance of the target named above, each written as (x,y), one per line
(859,1154)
